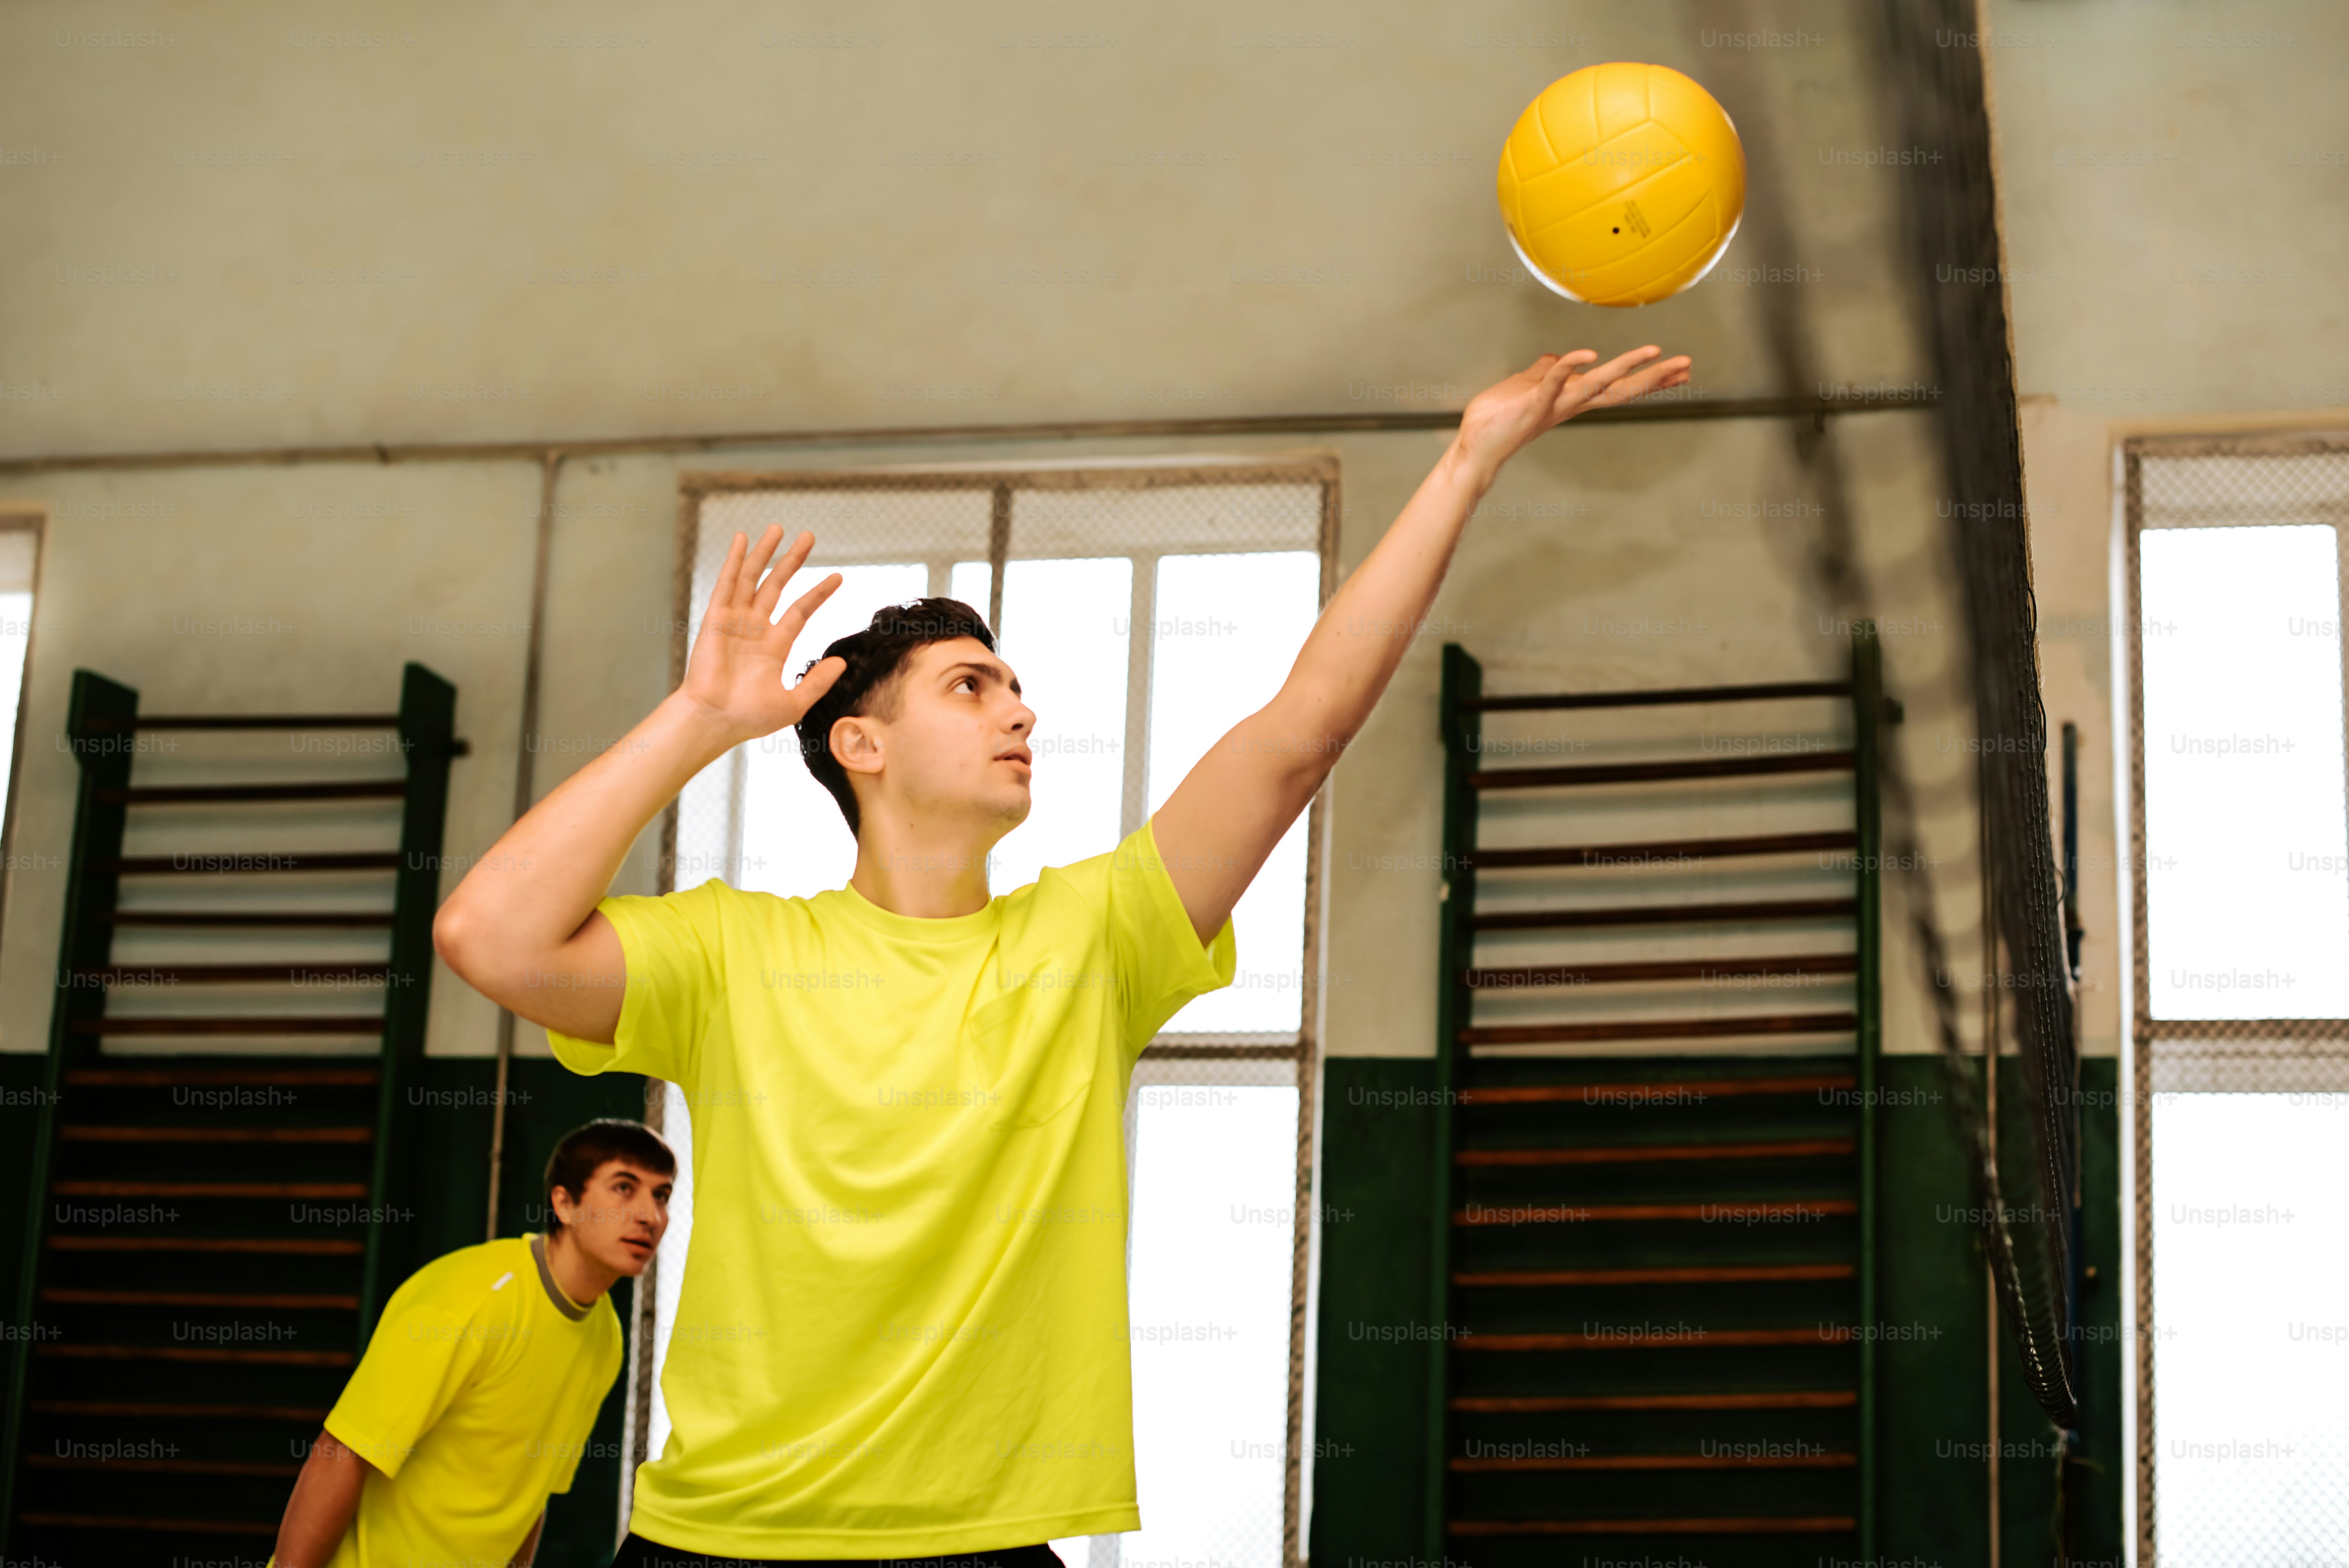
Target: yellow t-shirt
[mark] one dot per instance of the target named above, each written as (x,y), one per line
(902,1327)
(472,1403)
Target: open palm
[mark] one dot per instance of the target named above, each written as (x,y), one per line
(1501,419)
(740,658)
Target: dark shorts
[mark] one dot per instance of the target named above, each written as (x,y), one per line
(636,1551)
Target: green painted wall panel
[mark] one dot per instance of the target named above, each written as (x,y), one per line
(2029,1476)
(1934,1486)
(453,1195)
(1377,1133)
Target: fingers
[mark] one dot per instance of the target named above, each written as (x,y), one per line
(1616,369)
(722,591)
(771,590)
(746,580)
(1652,378)
(815,683)
(795,619)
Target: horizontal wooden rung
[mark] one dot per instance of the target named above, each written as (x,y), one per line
(255,1073)
(181,1412)
(1719,971)
(1772,1212)
(236,794)
(245,721)
(1660,771)
(249,920)
(205,1354)
(320,1247)
(1754,1524)
(1663,1029)
(265,1024)
(217,1134)
(1802,1460)
(1648,1092)
(1640,1154)
(220,863)
(93,1189)
(1551,1404)
(1737,1274)
(1732,912)
(147,977)
(289,1303)
(135,1522)
(169,1466)
(1694,1339)
(1661,697)
(1663,852)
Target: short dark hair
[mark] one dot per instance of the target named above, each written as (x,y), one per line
(876,656)
(586,1150)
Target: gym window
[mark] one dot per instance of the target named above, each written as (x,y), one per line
(1147,609)
(2240,998)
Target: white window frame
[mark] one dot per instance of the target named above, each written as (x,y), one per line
(2248,1055)
(35,522)
(1172,1057)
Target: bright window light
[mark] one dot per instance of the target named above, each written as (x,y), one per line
(1227,628)
(1063,632)
(1216,1178)
(2248,879)
(2251,1336)
(669,1272)
(15,638)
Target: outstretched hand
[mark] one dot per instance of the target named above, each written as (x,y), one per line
(737,670)
(1504,418)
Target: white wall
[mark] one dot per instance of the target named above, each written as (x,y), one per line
(1167,156)
(2173,175)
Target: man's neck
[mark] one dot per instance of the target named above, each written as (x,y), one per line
(576,1275)
(925,871)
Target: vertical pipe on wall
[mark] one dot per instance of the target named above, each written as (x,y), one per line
(1990,1027)
(999,557)
(550,467)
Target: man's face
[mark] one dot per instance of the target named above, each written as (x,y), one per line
(619,1216)
(953,744)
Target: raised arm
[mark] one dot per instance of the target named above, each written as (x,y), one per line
(1217,828)
(521,928)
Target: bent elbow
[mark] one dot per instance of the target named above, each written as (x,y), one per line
(452,939)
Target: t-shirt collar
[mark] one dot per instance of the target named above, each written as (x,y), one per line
(917,928)
(555,1293)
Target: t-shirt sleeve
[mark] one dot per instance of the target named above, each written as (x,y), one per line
(674,951)
(419,1358)
(1160,963)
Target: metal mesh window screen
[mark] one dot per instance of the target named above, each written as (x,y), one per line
(2240,998)
(1146,609)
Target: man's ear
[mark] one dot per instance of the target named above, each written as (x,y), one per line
(563,1204)
(856,743)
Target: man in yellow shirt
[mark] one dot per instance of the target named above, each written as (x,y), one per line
(902,1331)
(482,1381)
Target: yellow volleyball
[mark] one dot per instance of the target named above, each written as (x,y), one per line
(1622,184)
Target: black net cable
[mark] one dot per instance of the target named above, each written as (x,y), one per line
(1952,213)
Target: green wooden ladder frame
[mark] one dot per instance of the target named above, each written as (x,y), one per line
(1461,727)
(100,717)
